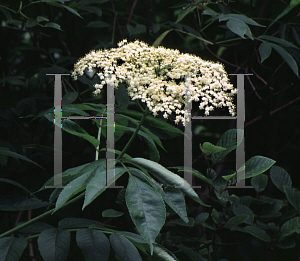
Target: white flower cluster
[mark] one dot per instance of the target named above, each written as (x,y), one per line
(157,76)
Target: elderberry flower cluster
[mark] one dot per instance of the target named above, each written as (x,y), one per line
(156,76)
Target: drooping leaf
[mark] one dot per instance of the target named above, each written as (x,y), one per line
(280,178)
(12,248)
(278,40)
(54,244)
(6,152)
(237,26)
(146,208)
(169,177)
(160,38)
(98,184)
(287,58)
(171,195)
(265,50)
(184,12)
(79,184)
(123,248)
(93,243)
(73,128)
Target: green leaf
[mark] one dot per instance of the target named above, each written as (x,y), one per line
(184,12)
(201,218)
(69,98)
(180,222)
(53,25)
(12,248)
(6,13)
(98,24)
(241,209)
(293,197)
(168,176)
(42,19)
(256,165)
(74,222)
(73,128)
(160,38)
(259,182)
(280,178)
(35,228)
(209,148)
(196,173)
(146,208)
(265,50)
(238,27)
(6,152)
(93,243)
(54,244)
(162,254)
(257,232)
(171,195)
(287,58)
(164,128)
(215,216)
(138,29)
(31,22)
(124,249)
(98,184)
(9,181)
(152,136)
(293,3)
(286,243)
(119,129)
(193,255)
(290,226)
(235,221)
(228,177)
(245,19)
(18,202)
(80,183)
(91,9)
(277,40)
(112,213)
(73,11)
(229,140)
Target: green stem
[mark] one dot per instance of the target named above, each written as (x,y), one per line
(134,134)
